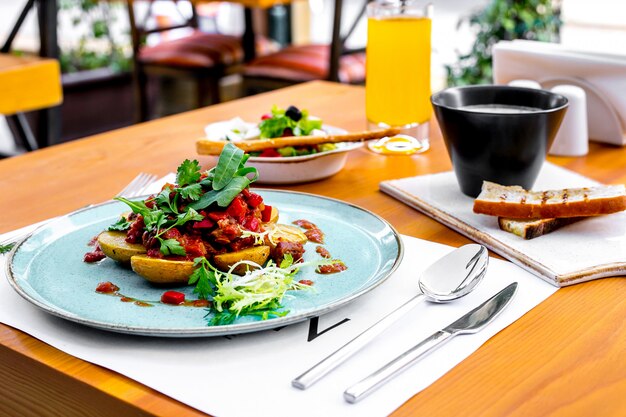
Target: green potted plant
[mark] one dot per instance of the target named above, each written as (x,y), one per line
(97,46)
(97,82)
(503,20)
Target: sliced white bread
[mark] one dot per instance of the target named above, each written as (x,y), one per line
(518,203)
(532,228)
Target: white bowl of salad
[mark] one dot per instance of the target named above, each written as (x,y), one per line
(288,165)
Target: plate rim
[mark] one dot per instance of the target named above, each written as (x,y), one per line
(206,331)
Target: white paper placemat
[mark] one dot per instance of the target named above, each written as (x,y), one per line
(250,374)
(590,249)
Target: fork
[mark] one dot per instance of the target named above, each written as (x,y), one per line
(134,188)
(137,186)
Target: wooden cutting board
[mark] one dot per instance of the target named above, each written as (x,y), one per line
(590,249)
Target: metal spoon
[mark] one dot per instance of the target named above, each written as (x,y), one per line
(449,278)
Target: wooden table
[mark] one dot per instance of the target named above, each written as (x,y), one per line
(566,357)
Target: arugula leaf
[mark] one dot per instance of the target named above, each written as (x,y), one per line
(138,207)
(205,201)
(188,172)
(171,247)
(121,225)
(244,171)
(227,165)
(6,248)
(191,192)
(230,191)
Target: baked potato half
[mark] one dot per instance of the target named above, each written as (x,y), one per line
(285,233)
(114,245)
(256,254)
(162,271)
(165,271)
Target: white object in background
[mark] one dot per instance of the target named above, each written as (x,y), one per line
(600,75)
(572,138)
(525,83)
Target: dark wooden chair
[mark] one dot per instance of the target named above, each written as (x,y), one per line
(204,57)
(296,64)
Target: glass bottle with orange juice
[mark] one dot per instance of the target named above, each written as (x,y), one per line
(398,73)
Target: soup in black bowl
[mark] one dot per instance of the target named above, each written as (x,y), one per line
(497,133)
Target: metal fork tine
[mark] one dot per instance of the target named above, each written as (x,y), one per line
(130,185)
(139,189)
(136,187)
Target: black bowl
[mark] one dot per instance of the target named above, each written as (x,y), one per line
(486,144)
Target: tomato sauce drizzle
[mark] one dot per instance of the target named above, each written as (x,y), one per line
(323,252)
(313,233)
(108,288)
(332,268)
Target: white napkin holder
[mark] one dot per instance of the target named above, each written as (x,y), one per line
(602,76)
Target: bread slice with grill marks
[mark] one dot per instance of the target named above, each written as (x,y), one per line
(518,203)
(532,228)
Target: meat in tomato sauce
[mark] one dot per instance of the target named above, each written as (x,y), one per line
(95,255)
(296,250)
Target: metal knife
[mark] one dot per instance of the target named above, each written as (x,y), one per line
(472,322)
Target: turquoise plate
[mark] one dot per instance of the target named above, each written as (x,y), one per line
(47,269)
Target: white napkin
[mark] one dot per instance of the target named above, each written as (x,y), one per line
(550,64)
(250,374)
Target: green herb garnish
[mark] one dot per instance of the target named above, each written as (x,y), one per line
(121,225)
(203,277)
(171,247)
(175,206)
(188,172)
(6,248)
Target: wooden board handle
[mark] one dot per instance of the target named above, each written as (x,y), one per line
(214,147)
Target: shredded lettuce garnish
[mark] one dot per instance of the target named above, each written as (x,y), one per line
(259,237)
(259,292)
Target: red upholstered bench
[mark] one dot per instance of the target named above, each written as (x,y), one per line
(298,64)
(305,63)
(202,50)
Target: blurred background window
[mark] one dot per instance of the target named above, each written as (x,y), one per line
(94,35)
